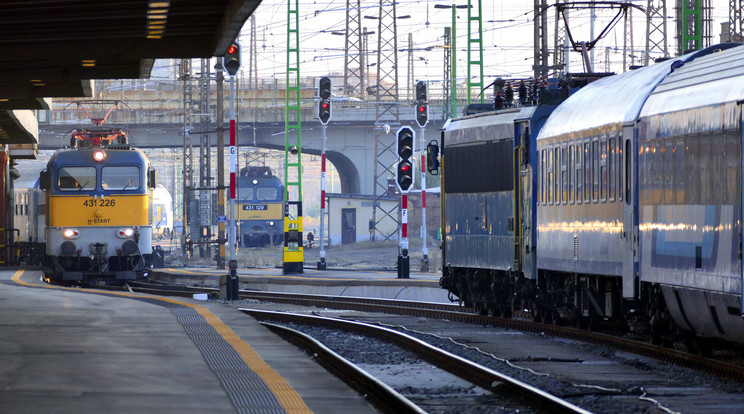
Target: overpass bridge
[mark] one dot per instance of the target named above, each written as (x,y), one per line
(154,118)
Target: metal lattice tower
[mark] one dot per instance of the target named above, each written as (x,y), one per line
(354,68)
(656,30)
(253,57)
(387,113)
(293,252)
(410,79)
(693,25)
(540,24)
(446,112)
(187,172)
(475,51)
(736,20)
(628,49)
(205,163)
(560,43)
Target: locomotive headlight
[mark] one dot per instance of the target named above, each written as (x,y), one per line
(126,233)
(70,233)
(99,155)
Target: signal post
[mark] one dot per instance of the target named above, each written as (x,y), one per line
(231,63)
(404,180)
(422,118)
(324,115)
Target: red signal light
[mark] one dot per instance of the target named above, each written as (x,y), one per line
(231,50)
(325,105)
(422,108)
(405,168)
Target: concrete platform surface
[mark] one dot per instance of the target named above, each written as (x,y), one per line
(69,350)
(361,283)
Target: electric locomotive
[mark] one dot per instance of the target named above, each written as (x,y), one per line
(489,190)
(259,208)
(99,218)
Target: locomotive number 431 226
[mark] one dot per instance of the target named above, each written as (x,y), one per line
(94,202)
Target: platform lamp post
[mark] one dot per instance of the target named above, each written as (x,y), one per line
(324,115)
(231,63)
(422,118)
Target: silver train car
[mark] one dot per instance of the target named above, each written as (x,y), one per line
(29,212)
(638,205)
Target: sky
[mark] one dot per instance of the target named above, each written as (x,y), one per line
(507,36)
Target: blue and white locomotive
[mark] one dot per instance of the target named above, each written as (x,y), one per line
(637,204)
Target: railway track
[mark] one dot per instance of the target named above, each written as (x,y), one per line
(476,374)
(456,313)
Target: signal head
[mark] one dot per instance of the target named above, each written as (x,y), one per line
(422,114)
(421,93)
(231,60)
(324,88)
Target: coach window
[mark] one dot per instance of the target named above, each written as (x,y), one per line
(120,178)
(679,171)
(76,178)
(733,170)
(564,175)
(603,170)
(579,174)
(611,167)
(550,175)
(571,172)
(540,176)
(587,172)
(595,171)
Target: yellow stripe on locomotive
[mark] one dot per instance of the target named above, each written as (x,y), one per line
(86,210)
(265,211)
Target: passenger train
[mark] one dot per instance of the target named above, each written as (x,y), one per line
(90,210)
(622,203)
(259,207)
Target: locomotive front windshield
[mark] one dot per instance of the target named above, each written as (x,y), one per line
(120,178)
(76,178)
(266,193)
(260,194)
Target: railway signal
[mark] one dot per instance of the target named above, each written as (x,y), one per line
(422,114)
(324,111)
(324,106)
(421,94)
(231,60)
(404,149)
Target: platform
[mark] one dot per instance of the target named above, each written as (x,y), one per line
(71,350)
(361,283)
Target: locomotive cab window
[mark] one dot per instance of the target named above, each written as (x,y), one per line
(246,194)
(120,178)
(267,193)
(76,178)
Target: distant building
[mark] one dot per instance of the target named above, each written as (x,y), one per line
(350,216)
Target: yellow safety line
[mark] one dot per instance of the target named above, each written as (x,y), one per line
(285,394)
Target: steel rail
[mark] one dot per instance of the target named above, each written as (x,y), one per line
(484,377)
(376,392)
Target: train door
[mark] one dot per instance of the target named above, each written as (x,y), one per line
(630,212)
(524,247)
